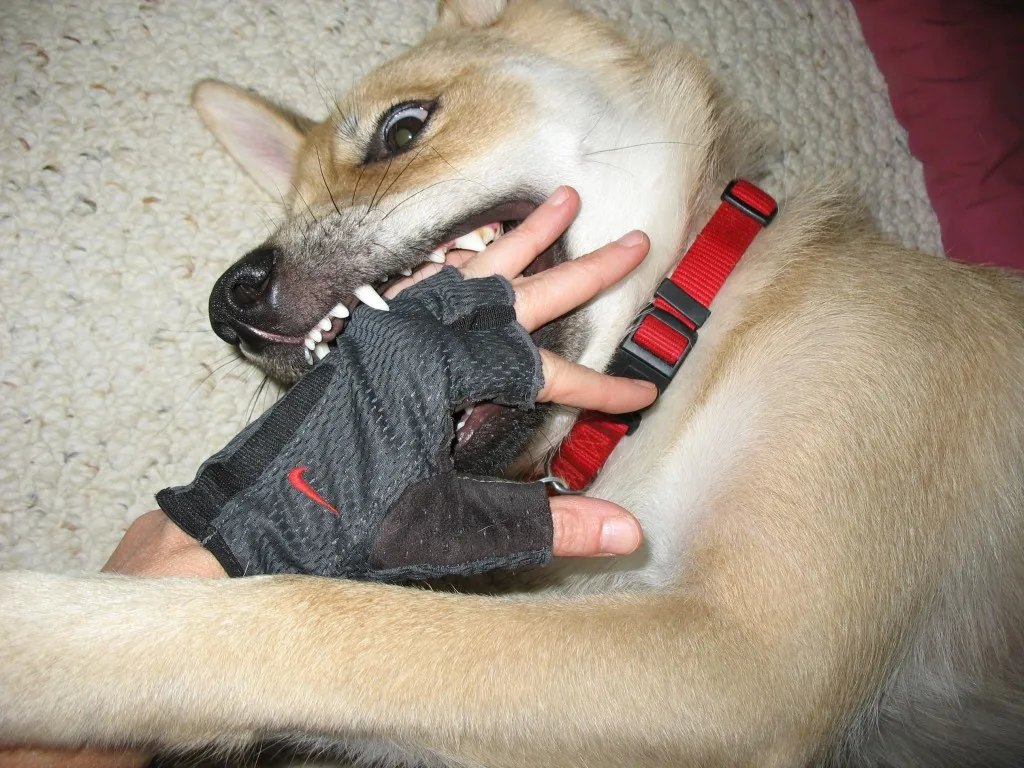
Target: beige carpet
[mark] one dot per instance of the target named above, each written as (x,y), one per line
(117,213)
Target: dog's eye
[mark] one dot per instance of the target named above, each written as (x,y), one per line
(401,126)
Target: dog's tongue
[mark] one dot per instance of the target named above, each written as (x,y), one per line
(479,414)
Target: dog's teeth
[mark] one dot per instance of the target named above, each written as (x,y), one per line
(321,351)
(340,311)
(464,417)
(489,233)
(325,324)
(370,298)
(309,343)
(407,272)
(470,242)
(437,255)
(309,356)
(315,335)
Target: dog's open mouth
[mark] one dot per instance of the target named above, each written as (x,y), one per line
(320,338)
(265,305)
(473,234)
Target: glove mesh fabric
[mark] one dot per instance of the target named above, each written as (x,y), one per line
(351,473)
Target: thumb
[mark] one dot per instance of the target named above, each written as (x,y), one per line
(585,527)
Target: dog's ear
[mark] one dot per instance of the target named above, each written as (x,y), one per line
(264,138)
(452,14)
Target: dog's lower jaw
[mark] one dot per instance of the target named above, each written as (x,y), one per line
(671,224)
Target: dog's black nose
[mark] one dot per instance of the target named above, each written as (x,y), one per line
(241,297)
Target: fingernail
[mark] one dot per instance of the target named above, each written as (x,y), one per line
(631,238)
(619,536)
(644,384)
(558,197)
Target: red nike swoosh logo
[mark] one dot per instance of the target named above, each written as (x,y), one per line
(296,479)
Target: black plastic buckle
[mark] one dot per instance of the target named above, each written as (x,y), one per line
(762,218)
(637,362)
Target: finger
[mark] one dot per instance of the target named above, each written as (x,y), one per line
(460,258)
(456,258)
(576,385)
(510,254)
(427,270)
(543,297)
(585,527)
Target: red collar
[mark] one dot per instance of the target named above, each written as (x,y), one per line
(664,332)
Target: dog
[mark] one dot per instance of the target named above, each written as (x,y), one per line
(832,489)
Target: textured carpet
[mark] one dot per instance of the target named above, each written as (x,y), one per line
(117,213)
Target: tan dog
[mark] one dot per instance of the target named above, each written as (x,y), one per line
(832,490)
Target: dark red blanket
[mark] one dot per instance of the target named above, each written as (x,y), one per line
(955,70)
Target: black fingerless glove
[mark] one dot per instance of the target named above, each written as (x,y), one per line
(351,473)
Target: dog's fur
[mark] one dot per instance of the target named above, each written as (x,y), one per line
(832,490)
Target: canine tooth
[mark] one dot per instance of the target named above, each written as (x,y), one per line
(407,272)
(437,255)
(315,335)
(460,425)
(468,412)
(370,298)
(470,242)
(321,351)
(309,343)
(309,356)
(325,324)
(340,311)
(489,233)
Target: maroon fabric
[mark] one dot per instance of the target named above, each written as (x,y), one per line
(955,70)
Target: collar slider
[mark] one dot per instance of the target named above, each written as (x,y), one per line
(751,200)
(634,361)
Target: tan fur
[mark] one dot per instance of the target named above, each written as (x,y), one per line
(832,493)
(452,143)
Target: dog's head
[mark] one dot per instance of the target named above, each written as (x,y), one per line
(465,133)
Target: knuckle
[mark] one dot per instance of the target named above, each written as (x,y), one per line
(594,269)
(572,534)
(519,234)
(522,237)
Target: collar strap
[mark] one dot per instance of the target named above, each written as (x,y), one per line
(664,332)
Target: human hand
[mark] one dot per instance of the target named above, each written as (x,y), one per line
(155,546)
(546,296)
(378,435)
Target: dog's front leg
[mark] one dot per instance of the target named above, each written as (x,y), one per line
(635,680)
